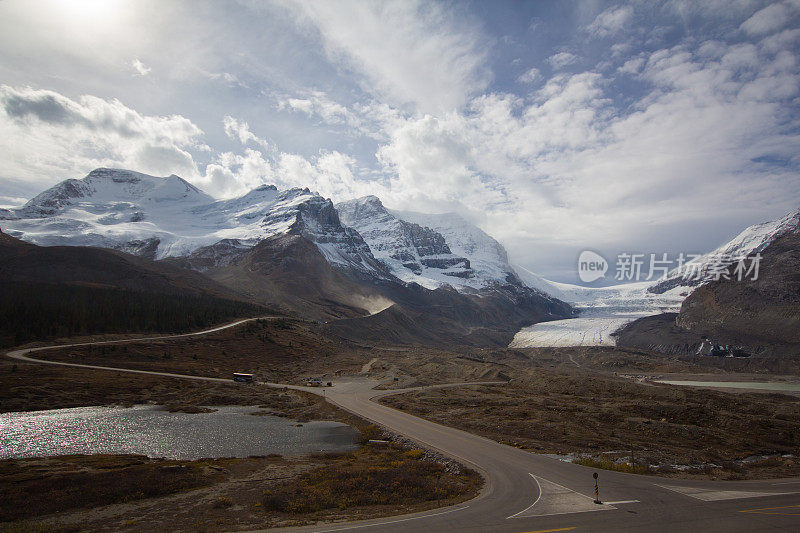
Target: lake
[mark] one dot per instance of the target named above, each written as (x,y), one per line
(230,431)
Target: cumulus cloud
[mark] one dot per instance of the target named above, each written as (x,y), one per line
(632,66)
(240,130)
(529,76)
(329,172)
(49,136)
(567,161)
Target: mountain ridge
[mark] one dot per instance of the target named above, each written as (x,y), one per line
(290,250)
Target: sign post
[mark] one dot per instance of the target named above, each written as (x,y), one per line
(596,490)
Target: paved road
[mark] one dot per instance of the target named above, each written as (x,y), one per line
(526,492)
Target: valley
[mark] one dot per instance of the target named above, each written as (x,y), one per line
(431,340)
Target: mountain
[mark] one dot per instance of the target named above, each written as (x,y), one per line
(168,217)
(765,309)
(413,253)
(488,258)
(295,251)
(290,273)
(752,240)
(758,316)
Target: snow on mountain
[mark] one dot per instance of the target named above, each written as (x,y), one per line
(412,253)
(114,186)
(168,217)
(488,260)
(752,240)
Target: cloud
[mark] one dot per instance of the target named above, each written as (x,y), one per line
(611,21)
(529,76)
(411,52)
(704,140)
(230,79)
(48,136)
(318,104)
(329,172)
(140,67)
(632,66)
(767,20)
(562,59)
(240,130)
(11,201)
(233,174)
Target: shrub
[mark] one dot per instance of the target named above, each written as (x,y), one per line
(352,485)
(609,464)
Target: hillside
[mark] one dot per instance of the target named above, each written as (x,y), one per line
(67,291)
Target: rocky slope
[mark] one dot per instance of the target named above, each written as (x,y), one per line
(752,240)
(758,317)
(411,252)
(488,259)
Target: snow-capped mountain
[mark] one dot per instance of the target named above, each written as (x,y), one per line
(412,252)
(168,217)
(290,250)
(488,260)
(752,240)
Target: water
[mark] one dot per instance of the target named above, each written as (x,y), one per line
(760,385)
(151,431)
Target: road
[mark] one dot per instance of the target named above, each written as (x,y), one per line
(525,492)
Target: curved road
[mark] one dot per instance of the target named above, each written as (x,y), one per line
(526,492)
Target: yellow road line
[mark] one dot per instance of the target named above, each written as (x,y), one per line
(771,510)
(551,530)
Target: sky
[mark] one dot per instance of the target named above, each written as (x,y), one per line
(556,127)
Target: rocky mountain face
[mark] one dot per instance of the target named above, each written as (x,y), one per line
(488,259)
(766,309)
(294,250)
(757,317)
(706,268)
(411,252)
